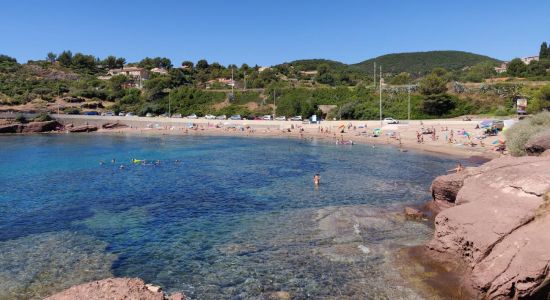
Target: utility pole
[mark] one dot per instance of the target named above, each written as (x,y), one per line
(380,96)
(274,104)
(374,74)
(232,81)
(409,108)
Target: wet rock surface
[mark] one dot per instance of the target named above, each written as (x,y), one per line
(498,229)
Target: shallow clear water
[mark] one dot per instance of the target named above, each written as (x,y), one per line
(234,218)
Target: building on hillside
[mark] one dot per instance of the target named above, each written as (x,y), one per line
(309,73)
(529,59)
(137,74)
(161,71)
(502,68)
(220,81)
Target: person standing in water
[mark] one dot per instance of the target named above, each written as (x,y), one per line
(316,179)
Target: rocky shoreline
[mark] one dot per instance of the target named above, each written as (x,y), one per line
(116,288)
(493,220)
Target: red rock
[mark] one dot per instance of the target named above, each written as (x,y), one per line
(11,128)
(497,228)
(83,128)
(45,126)
(115,288)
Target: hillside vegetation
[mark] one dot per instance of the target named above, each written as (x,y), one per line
(421,63)
(442,84)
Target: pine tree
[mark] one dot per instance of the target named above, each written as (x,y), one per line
(544,51)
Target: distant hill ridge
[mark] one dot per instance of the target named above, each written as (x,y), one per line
(415,63)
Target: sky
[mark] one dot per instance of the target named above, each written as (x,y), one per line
(267,32)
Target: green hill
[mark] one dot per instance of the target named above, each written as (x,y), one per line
(312,64)
(419,63)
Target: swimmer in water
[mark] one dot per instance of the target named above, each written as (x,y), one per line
(101,163)
(316,179)
(113,161)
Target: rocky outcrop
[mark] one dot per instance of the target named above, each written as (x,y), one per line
(11,128)
(538,144)
(83,128)
(32,127)
(497,228)
(45,126)
(444,190)
(113,125)
(116,288)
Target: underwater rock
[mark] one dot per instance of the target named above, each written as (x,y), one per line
(41,264)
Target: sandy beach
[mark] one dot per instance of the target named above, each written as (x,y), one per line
(449,137)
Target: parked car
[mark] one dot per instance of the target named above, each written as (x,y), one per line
(390,121)
(221,117)
(91,113)
(108,114)
(130,114)
(296,118)
(121,114)
(210,117)
(149,115)
(164,115)
(281,118)
(176,116)
(236,117)
(192,116)
(267,118)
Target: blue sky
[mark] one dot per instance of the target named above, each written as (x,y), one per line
(271,32)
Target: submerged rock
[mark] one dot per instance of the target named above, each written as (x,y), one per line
(498,229)
(413,214)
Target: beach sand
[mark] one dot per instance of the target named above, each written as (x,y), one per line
(405,136)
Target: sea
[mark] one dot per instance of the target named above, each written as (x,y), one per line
(212,217)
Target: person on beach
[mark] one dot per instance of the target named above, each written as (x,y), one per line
(458,168)
(316,179)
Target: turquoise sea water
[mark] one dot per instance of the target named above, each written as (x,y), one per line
(233,218)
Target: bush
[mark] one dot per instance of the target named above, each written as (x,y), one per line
(520,133)
(42,117)
(21,118)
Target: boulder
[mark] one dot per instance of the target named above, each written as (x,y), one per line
(83,128)
(45,126)
(497,226)
(538,143)
(444,190)
(115,288)
(113,125)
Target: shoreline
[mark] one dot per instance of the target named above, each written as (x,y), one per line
(433,148)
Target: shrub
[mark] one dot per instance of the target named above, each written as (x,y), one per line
(21,118)
(42,117)
(520,133)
